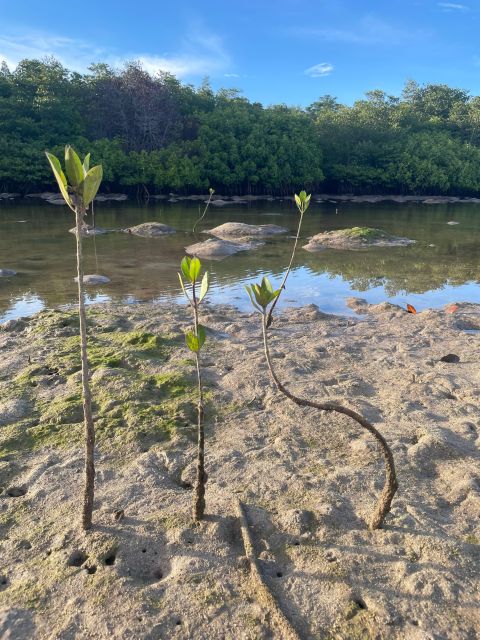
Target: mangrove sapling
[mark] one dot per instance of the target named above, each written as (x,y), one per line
(195,340)
(262,296)
(302,201)
(211,192)
(78,188)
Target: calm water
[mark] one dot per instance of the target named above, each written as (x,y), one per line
(443,266)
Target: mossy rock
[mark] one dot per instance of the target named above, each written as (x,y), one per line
(355,238)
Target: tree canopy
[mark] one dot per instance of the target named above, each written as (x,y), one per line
(153,131)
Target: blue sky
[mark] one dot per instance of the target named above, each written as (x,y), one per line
(289,51)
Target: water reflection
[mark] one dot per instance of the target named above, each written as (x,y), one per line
(41,251)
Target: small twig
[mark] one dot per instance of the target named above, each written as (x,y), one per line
(263,592)
(287,273)
(204,211)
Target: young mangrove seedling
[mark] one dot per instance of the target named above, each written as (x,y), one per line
(302,201)
(78,188)
(195,340)
(210,192)
(262,297)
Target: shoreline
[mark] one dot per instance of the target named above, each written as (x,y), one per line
(219,200)
(308,479)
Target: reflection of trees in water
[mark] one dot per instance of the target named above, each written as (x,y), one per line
(399,269)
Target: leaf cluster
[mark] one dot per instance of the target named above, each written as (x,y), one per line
(261,295)
(80,184)
(191,268)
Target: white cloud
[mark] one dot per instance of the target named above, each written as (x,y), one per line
(319,70)
(231,75)
(452,6)
(199,54)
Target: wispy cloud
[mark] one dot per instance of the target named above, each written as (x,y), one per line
(319,70)
(369,31)
(231,75)
(199,54)
(452,6)
(74,53)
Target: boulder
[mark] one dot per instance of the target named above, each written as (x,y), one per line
(150,230)
(355,238)
(222,203)
(9,196)
(94,278)
(241,231)
(217,248)
(116,197)
(88,230)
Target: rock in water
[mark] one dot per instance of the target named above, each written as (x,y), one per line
(452,222)
(355,238)
(94,279)
(88,230)
(217,248)
(150,230)
(239,230)
(5,273)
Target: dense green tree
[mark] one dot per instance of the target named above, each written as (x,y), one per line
(153,133)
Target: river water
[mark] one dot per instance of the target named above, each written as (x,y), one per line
(442,266)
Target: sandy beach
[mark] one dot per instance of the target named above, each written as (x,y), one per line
(308,480)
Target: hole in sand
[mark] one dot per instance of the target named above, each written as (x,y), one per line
(144,551)
(187,485)
(110,559)
(77,558)
(178,623)
(92,569)
(16,492)
(3,581)
(360,603)
(158,574)
(297,543)
(279,574)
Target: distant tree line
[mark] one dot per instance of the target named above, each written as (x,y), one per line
(155,134)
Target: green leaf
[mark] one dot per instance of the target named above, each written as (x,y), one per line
(249,290)
(195,266)
(201,335)
(266,284)
(192,341)
(86,164)
(183,287)
(91,184)
(185,267)
(60,178)
(205,286)
(298,202)
(73,167)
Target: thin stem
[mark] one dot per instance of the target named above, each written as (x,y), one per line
(289,268)
(87,396)
(204,212)
(199,499)
(391,484)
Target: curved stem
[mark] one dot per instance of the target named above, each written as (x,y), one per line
(289,268)
(204,212)
(199,494)
(391,484)
(87,396)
